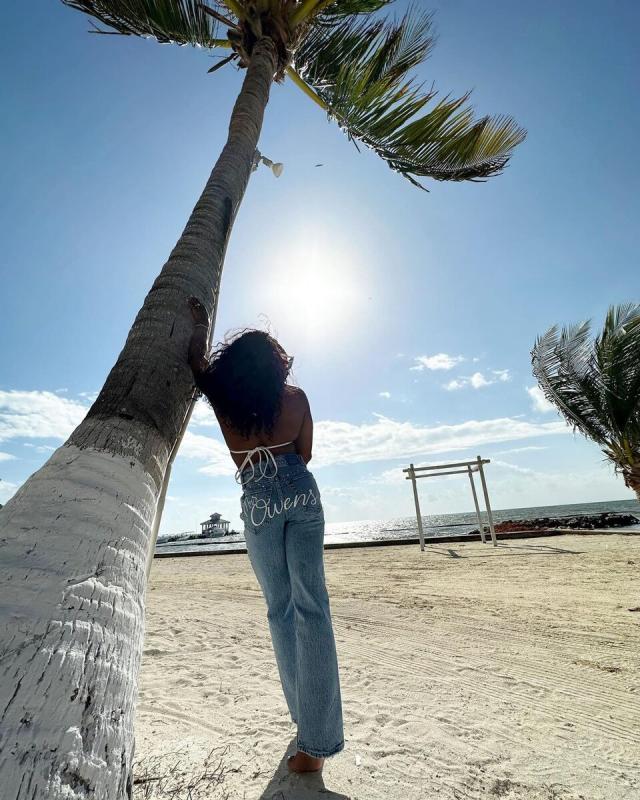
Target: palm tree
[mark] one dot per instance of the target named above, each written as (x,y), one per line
(595,384)
(78,537)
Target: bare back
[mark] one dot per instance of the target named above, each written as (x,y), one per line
(294,424)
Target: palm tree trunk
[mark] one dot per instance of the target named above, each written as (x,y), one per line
(75,539)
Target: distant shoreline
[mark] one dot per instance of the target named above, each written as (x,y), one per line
(440,527)
(414,540)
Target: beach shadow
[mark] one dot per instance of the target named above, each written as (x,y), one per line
(538,549)
(522,550)
(285,786)
(448,553)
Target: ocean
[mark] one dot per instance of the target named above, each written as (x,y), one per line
(401,527)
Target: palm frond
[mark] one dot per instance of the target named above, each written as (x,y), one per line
(176,21)
(328,11)
(362,72)
(561,361)
(617,352)
(596,383)
(347,8)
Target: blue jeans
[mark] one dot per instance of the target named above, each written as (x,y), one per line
(284,529)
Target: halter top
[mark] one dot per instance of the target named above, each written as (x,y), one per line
(265,459)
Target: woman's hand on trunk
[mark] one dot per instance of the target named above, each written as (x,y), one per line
(198,344)
(198,312)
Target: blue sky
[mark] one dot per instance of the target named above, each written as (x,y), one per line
(108,142)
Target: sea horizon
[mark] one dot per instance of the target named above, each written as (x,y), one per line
(402,527)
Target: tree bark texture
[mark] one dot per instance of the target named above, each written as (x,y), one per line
(76,537)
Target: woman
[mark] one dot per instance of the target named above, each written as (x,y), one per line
(267,426)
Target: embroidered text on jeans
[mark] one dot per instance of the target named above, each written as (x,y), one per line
(262,509)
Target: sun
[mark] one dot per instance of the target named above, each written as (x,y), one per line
(314,290)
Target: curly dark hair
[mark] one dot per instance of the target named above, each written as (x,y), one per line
(245,381)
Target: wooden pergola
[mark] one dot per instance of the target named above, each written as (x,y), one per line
(457,468)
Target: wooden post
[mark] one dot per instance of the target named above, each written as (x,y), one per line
(475,502)
(486,501)
(412,475)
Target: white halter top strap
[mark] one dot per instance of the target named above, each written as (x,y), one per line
(265,460)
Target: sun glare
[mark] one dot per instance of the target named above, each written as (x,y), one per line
(315,291)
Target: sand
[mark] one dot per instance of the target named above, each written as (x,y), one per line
(467,672)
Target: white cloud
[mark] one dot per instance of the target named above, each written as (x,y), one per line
(39,448)
(43,415)
(386,395)
(218,468)
(438,361)
(382,439)
(38,415)
(336,491)
(203,416)
(346,443)
(518,487)
(539,401)
(513,467)
(6,456)
(528,449)
(390,477)
(206,448)
(7,490)
(478,380)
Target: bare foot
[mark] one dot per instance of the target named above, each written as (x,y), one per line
(303,762)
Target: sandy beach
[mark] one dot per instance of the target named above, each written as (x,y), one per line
(467,672)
